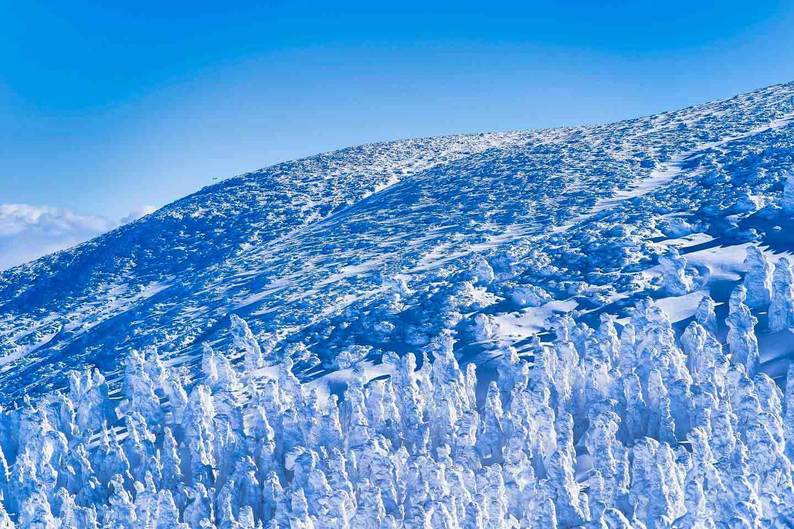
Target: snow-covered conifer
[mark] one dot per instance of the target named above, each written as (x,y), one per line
(490,434)
(36,513)
(742,342)
(140,389)
(167,515)
(244,340)
(705,315)
(675,277)
(673,435)
(781,308)
(88,394)
(758,279)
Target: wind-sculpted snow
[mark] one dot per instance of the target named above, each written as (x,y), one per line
(582,327)
(133,286)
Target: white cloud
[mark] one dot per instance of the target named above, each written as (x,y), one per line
(137,213)
(28,232)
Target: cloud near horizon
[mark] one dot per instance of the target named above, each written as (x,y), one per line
(28,232)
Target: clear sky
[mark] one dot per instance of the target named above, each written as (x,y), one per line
(108,108)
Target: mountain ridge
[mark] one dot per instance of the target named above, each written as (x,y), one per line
(270,205)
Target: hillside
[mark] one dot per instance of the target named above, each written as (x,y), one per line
(601,318)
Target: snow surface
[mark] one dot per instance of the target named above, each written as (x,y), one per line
(554,328)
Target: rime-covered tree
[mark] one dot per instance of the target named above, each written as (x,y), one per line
(781,308)
(601,429)
(758,279)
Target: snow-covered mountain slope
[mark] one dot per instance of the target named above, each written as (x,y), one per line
(501,251)
(302,247)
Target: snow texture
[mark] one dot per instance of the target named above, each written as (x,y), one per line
(585,327)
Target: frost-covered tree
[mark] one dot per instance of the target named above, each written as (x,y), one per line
(742,342)
(675,277)
(245,341)
(758,279)
(705,315)
(781,308)
(597,429)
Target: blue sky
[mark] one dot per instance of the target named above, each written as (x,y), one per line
(106,109)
